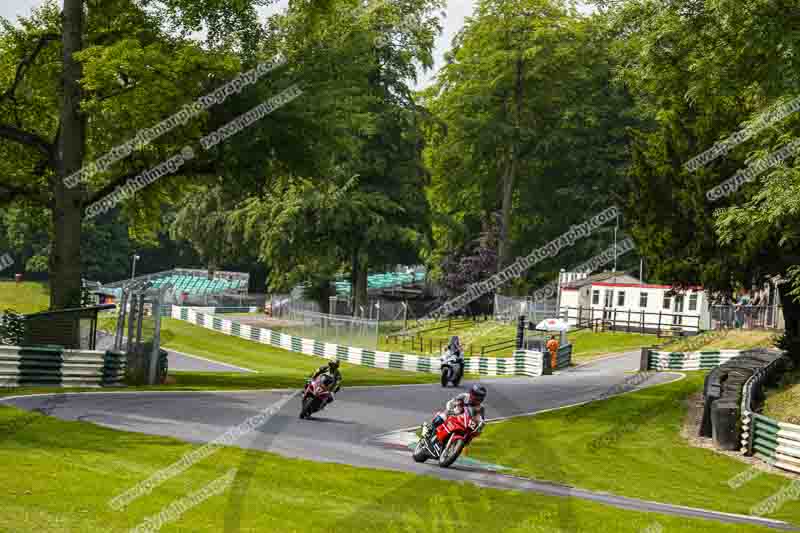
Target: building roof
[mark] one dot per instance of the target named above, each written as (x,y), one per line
(606,277)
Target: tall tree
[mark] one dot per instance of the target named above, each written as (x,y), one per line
(698,76)
(528,125)
(116,66)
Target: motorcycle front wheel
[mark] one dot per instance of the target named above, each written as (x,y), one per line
(420,453)
(308,403)
(451,452)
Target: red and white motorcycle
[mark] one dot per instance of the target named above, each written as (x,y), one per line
(316,395)
(450,438)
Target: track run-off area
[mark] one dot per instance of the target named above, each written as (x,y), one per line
(373,426)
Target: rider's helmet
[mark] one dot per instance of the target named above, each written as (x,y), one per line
(477,394)
(333,365)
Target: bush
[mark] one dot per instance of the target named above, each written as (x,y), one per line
(791,345)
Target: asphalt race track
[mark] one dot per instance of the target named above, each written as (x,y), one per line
(363,427)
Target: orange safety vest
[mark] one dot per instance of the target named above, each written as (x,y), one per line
(552,345)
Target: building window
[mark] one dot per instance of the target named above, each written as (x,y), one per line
(609,298)
(642,299)
(693,302)
(667,302)
(596,297)
(620,298)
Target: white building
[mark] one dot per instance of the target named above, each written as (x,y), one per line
(631,305)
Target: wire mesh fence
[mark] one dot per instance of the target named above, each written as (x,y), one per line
(335,329)
(508,308)
(747,317)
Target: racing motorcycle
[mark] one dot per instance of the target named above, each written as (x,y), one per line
(450,438)
(452,368)
(316,395)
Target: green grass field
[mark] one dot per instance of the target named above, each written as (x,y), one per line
(629,445)
(783,403)
(586,344)
(733,339)
(276,368)
(27,297)
(60,476)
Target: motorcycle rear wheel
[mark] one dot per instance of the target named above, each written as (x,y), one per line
(420,453)
(451,453)
(457,381)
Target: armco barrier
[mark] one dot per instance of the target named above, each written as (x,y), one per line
(776,443)
(53,366)
(706,360)
(222,310)
(523,363)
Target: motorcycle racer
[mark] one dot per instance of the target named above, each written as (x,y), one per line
(474,398)
(332,369)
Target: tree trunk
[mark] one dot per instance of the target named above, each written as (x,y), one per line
(791,315)
(65,261)
(323,292)
(504,247)
(358,283)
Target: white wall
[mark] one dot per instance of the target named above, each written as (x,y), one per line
(654,306)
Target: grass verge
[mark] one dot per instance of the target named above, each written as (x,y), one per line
(783,403)
(631,446)
(27,297)
(59,477)
(277,368)
(729,339)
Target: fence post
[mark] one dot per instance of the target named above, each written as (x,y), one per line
(658,331)
(520,332)
(629,321)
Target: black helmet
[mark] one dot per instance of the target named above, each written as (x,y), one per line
(334,365)
(477,393)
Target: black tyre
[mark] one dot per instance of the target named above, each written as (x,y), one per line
(457,380)
(308,405)
(445,376)
(420,453)
(451,452)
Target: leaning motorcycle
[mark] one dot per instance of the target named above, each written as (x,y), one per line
(452,368)
(316,395)
(450,438)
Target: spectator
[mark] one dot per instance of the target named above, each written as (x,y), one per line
(552,346)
